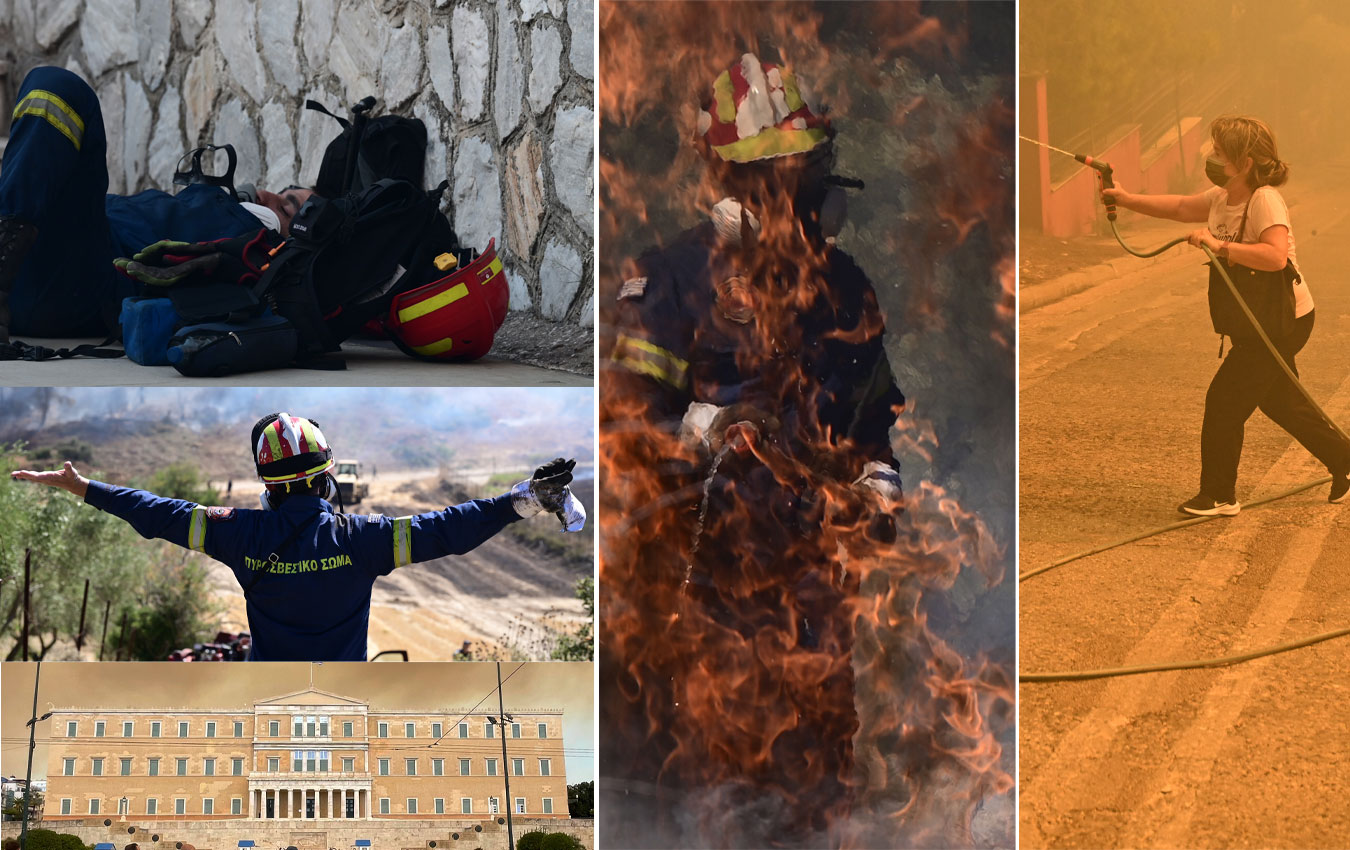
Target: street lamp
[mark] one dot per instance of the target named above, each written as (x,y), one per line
(32,745)
(500,721)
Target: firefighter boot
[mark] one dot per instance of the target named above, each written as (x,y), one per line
(16,237)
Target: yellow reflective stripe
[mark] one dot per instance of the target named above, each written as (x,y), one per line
(435,302)
(273,441)
(771,142)
(293,477)
(790,92)
(494,268)
(435,348)
(402,541)
(725,96)
(197,530)
(644,357)
(44,104)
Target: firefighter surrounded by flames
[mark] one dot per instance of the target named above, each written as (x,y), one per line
(748,372)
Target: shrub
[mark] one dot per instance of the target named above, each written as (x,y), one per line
(46,839)
(560,841)
(531,841)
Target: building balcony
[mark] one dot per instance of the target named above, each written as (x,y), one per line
(263,776)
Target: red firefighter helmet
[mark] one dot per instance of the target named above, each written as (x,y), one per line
(290,448)
(759,110)
(456,317)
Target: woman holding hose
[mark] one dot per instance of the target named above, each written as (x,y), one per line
(1248,231)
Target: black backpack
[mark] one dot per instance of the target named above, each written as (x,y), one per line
(390,146)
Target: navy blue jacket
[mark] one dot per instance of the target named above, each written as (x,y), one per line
(312,602)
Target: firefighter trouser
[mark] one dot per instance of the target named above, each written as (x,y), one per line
(55,176)
(1249,378)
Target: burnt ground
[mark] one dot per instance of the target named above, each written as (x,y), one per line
(534,341)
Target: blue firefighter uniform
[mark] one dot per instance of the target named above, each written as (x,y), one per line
(55,177)
(312,602)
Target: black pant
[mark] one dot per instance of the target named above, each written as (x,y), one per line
(1249,378)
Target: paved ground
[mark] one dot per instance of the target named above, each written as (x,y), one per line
(370,363)
(1113,377)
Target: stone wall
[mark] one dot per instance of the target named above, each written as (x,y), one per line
(506,90)
(315,835)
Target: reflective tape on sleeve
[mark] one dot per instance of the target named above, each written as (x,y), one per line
(44,104)
(197,530)
(646,358)
(402,541)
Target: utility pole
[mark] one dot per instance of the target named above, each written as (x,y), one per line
(506,764)
(84,603)
(32,745)
(27,600)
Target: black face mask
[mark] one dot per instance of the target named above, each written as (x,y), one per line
(1214,171)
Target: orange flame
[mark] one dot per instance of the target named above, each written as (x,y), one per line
(770,674)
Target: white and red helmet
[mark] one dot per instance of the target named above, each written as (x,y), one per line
(759,110)
(289,448)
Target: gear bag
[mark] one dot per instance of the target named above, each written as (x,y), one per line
(388,147)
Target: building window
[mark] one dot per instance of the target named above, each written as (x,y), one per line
(93,806)
(126,767)
(98,728)
(488,731)
(323,760)
(346,729)
(297,761)
(439,805)
(520,805)
(68,767)
(384,767)
(543,730)
(544,767)
(491,767)
(410,767)
(384,730)
(311,761)
(412,805)
(236,805)
(182,767)
(208,806)
(154,728)
(98,767)
(238,728)
(466,805)
(463,767)
(236,767)
(128,728)
(152,806)
(410,730)
(323,727)
(180,805)
(312,726)
(463,730)
(436,730)
(518,767)
(515,730)
(297,727)
(208,767)
(384,805)
(274,765)
(274,728)
(182,729)
(65,805)
(72,728)
(438,767)
(154,767)
(548,805)
(349,765)
(492,805)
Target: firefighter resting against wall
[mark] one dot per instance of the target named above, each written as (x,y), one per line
(307,572)
(753,328)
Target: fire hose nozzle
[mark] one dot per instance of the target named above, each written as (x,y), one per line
(1104,174)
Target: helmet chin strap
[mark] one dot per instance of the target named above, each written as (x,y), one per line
(331,493)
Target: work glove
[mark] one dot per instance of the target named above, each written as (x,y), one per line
(241,260)
(548,491)
(738,424)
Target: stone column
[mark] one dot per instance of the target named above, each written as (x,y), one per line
(332,800)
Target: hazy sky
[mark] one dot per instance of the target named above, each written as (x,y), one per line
(429,686)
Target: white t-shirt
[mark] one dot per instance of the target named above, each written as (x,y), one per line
(1267,210)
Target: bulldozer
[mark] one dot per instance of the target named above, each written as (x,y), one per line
(349,482)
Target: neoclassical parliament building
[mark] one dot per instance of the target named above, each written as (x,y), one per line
(307,756)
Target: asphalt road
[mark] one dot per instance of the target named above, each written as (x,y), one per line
(1113,380)
(370,363)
